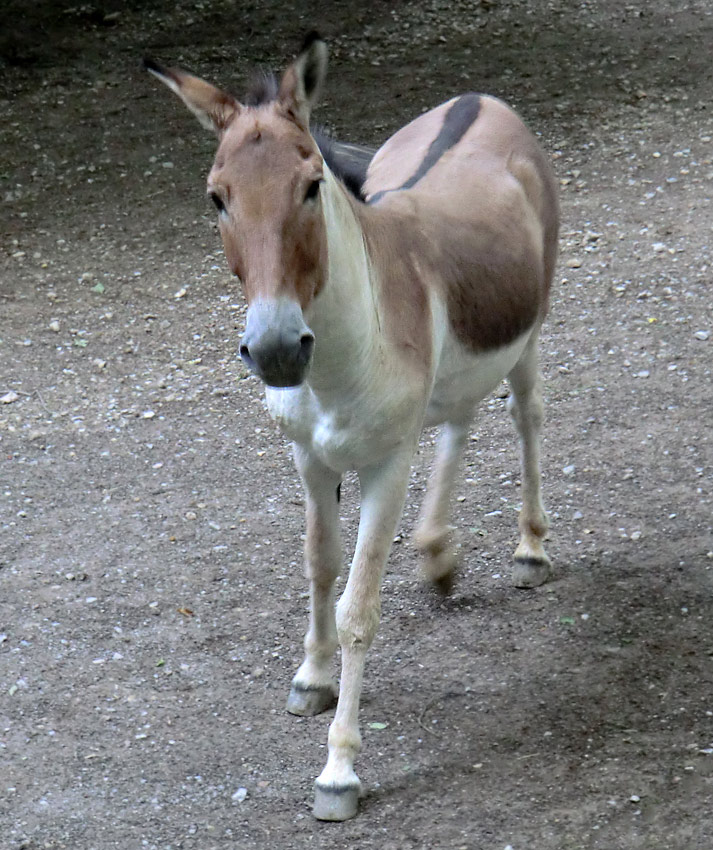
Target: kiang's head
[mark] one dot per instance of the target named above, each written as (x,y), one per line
(265,183)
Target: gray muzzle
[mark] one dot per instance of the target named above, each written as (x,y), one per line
(277,344)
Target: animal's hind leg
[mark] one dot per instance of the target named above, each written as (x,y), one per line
(532,566)
(433,534)
(313,687)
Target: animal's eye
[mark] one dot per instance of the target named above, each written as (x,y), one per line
(312,190)
(218,201)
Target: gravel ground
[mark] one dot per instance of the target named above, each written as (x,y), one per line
(152,603)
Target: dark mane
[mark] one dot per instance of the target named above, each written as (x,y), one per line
(262,89)
(347,162)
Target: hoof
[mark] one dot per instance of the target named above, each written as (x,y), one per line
(531,572)
(444,584)
(308,700)
(440,562)
(335,803)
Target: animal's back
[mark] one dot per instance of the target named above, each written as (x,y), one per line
(467,145)
(479,203)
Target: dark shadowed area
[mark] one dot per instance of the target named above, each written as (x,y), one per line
(152,603)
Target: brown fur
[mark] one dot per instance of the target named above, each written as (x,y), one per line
(213,107)
(402,291)
(482,222)
(493,291)
(274,242)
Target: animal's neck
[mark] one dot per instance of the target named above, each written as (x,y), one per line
(344,316)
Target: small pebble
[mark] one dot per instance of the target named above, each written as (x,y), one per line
(702,335)
(240,795)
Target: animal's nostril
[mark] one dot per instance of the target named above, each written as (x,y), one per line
(245,357)
(306,346)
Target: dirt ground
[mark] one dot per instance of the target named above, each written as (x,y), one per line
(152,603)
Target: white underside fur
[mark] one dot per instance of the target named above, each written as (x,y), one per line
(357,427)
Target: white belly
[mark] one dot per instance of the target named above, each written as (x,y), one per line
(463,378)
(355,428)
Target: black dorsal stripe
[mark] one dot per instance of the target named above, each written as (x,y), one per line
(457,121)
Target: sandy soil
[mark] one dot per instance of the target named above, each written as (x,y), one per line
(152,603)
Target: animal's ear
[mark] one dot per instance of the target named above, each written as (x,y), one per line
(302,81)
(215,109)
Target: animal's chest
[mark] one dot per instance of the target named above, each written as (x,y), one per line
(352,434)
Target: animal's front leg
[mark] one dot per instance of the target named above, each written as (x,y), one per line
(313,687)
(383,489)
